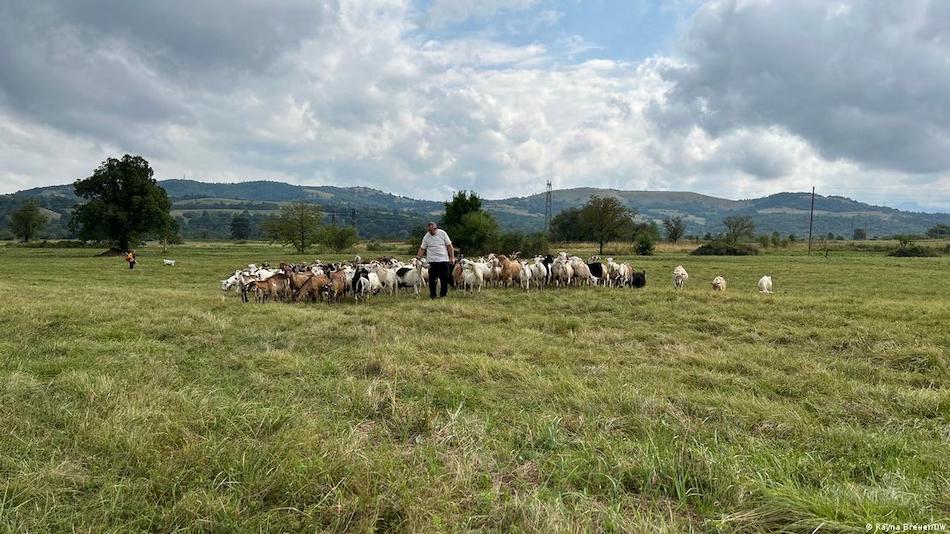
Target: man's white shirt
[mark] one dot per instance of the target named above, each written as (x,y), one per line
(436,246)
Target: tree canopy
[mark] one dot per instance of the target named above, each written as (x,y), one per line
(125,203)
(738,228)
(566,226)
(298,224)
(339,238)
(472,230)
(27,220)
(605,218)
(675,228)
(241,226)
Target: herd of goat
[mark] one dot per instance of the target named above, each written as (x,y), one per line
(331,282)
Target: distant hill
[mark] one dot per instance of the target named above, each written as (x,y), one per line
(204,210)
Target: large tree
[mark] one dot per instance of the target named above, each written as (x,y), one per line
(124,203)
(462,203)
(27,220)
(298,224)
(675,228)
(472,229)
(567,226)
(605,218)
(738,228)
(241,226)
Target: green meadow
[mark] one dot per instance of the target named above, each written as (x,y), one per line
(148,400)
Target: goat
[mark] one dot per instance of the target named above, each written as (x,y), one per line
(680,276)
(361,284)
(638,279)
(411,276)
(510,270)
(562,271)
(582,274)
(719,283)
(315,287)
(472,276)
(765,284)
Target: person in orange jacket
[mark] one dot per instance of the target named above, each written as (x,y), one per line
(130,257)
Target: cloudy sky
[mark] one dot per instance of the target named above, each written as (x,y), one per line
(735,98)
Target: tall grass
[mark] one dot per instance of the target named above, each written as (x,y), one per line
(146,400)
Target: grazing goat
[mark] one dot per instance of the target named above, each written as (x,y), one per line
(275,287)
(582,274)
(598,271)
(680,276)
(170,263)
(765,284)
(624,274)
(638,279)
(337,286)
(315,288)
(361,284)
(719,283)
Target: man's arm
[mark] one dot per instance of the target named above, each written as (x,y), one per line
(420,252)
(451,250)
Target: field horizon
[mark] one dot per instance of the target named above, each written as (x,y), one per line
(148,400)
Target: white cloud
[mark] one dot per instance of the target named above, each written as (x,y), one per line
(443,12)
(356,93)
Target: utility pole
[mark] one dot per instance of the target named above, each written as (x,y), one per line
(547,209)
(811,218)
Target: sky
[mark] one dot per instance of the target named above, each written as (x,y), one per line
(732,98)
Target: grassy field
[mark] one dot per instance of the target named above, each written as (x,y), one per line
(146,400)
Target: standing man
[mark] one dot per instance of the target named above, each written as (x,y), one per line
(439,253)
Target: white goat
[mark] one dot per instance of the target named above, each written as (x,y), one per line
(680,276)
(473,277)
(719,283)
(765,284)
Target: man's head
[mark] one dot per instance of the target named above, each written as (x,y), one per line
(432,227)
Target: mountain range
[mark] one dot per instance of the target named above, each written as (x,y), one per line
(204,209)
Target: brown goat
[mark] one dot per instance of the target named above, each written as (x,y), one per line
(510,270)
(313,288)
(337,286)
(276,287)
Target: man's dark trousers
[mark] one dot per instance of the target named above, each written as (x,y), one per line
(439,270)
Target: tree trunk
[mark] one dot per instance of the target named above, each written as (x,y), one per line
(601,248)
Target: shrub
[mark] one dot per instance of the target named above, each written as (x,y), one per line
(722,248)
(339,238)
(912,251)
(644,245)
(908,249)
(375,246)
